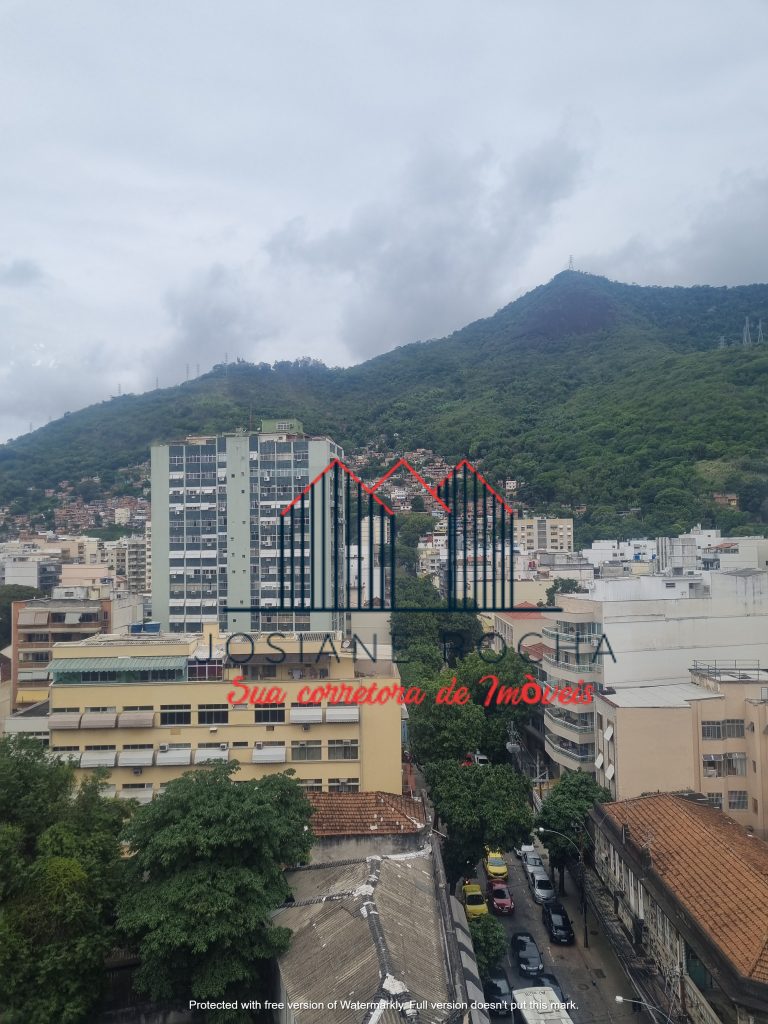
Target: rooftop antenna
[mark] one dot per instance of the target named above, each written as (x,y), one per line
(187,371)
(747,337)
(571,265)
(760,332)
(119,390)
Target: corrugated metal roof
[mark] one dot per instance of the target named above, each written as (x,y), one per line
(127,664)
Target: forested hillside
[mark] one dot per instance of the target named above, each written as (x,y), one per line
(609,395)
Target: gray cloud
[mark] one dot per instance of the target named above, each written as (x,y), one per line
(21,274)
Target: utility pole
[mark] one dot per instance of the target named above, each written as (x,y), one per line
(583,874)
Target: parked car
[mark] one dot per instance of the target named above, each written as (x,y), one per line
(474,902)
(494,864)
(551,982)
(498,993)
(520,851)
(532,862)
(541,886)
(480,759)
(558,924)
(527,953)
(499,897)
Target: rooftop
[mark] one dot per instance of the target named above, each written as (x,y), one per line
(656,695)
(366,931)
(707,862)
(355,814)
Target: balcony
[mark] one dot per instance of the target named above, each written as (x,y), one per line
(572,671)
(574,758)
(569,726)
(567,640)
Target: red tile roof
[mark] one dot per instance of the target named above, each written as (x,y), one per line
(355,814)
(711,866)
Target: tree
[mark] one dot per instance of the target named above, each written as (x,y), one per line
(444,732)
(61,876)
(205,874)
(480,806)
(563,586)
(500,719)
(565,810)
(489,941)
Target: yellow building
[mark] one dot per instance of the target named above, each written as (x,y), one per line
(150,707)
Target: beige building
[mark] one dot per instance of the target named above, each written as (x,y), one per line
(149,707)
(543,534)
(709,735)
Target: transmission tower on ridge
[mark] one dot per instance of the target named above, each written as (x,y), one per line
(760,332)
(747,337)
(571,265)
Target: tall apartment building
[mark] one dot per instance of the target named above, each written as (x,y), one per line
(543,534)
(150,706)
(657,627)
(216,503)
(127,556)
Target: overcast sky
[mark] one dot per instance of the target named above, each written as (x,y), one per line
(182,180)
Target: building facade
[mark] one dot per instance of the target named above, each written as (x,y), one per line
(690,889)
(216,503)
(541,533)
(149,707)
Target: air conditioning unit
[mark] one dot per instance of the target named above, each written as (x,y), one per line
(305,728)
(259,745)
(137,771)
(223,746)
(163,747)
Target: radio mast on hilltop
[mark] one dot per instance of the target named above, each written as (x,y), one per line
(571,265)
(760,332)
(747,336)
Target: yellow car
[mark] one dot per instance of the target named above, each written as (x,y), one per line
(495,865)
(474,901)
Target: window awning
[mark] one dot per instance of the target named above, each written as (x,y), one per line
(128,664)
(98,759)
(610,771)
(98,720)
(599,761)
(136,720)
(64,720)
(608,733)
(32,617)
(173,757)
(71,618)
(135,758)
(210,754)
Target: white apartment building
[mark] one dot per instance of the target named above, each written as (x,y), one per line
(641,629)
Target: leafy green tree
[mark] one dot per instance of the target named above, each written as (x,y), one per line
(60,880)
(444,732)
(8,594)
(205,874)
(479,806)
(500,719)
(565,810)
(563,586)
(489,941)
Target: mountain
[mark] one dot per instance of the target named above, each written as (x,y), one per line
(610,395)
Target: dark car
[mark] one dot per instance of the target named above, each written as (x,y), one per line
(499,897)
(498,993)
(557,923)
(551,982)
(529,960)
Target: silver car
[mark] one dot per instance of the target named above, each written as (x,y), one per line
(541,886)
(532,862)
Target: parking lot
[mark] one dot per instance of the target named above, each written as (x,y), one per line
(591,977)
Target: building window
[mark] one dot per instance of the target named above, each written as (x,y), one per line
(102,746)
(140,707)
(59,750)
(754,806)
(137,746)
(311,785)
(240,743)
(735,764)
(212,714)
(65,711)
(711,730)
(306,750)
(733,728)
(715,800)
(175,714)
(343,785)
(737,800)
(103,710)
(342,750)
(712,766)
(269,713)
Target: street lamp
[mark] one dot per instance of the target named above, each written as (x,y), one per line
(580,850)
(649,1006)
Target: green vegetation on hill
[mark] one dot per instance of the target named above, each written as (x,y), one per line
(609,395)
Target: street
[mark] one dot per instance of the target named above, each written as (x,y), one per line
(592,977)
